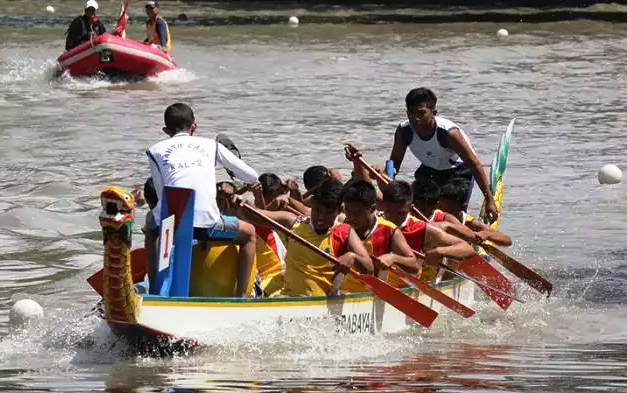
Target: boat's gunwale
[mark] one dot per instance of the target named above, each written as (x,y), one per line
(146,298)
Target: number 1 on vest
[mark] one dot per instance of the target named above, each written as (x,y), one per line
(166,240)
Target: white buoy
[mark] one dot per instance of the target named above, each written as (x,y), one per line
(610,174)
(293,21)
(502,33)
(50,9)
(24,312)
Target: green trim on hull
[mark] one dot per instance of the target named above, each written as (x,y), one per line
(301,299)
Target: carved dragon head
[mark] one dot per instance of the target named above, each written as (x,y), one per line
(118,208)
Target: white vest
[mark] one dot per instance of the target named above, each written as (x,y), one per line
(433,152)
(189,162)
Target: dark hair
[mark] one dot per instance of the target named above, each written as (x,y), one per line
(178,117)
(455,190)
(220,183)
(314,175)
(360,191)
(329,194)
(150,194)
(421,95)
(270,184)
(397,191)
(425,190)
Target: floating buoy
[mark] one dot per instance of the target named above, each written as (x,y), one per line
(502,33)
(293,21)
(24,312)
(50,9)
(610,174)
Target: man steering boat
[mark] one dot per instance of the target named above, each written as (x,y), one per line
(441,146)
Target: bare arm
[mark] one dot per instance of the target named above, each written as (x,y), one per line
(361,258)
(284,218)
(497,237)
(459,230)
(402,254)
(444,245)
(298,205)
(461,147)
(398,150)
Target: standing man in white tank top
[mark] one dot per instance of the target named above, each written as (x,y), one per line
(443,149)
(189,161)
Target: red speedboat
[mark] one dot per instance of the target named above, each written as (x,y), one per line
(112,54)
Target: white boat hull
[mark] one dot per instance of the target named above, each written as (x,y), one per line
(192,319)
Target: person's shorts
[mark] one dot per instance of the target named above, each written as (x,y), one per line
(226,228)
(443,177)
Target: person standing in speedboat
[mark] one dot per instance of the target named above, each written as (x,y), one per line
(84,26)
(441,146)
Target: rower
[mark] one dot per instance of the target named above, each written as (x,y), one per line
(380,237)
(188,161)
(452,202)
(441,146)
(435,244)
(157,30)
(277,194)
(306,272)
(85,26)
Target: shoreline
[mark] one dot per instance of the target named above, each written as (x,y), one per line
(205,13)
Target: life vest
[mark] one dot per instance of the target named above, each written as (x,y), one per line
(270,256)
(152,36)
(437,216)
(306,272)
(414,231)
(435,151)
(377,243)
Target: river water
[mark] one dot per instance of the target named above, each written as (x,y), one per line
(289,97)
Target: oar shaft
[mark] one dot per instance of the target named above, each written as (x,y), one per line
(294,236)
(454,272)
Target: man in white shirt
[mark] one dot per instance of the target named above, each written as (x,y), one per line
(189,161)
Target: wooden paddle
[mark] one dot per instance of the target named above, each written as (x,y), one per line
(425,288)
(521,271)
(405,304)
(507,298)
(475,266)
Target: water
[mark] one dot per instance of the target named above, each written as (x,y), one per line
(289,98)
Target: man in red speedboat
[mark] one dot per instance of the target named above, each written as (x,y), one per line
(84,26)
(157,31)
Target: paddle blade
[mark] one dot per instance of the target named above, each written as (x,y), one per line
(138,270)
(521,271)
(409,306)
(433,293)
(479,269)
(230,145)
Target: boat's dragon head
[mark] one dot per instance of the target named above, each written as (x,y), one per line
(116,217)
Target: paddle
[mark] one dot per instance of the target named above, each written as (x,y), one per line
(120,26)
(521,271)
(475,266)
(230,145)
(507,298)
(428,290)
(405,304)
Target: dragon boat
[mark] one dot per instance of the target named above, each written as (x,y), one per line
(194,302)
